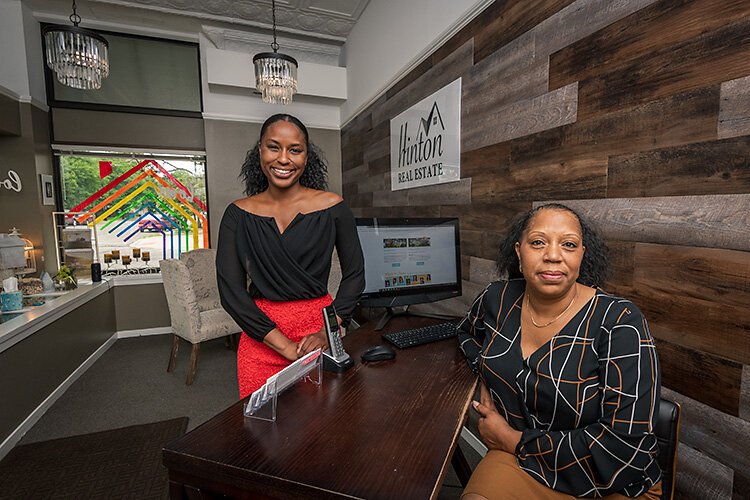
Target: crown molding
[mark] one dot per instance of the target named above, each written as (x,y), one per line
(252,43)
(24,99)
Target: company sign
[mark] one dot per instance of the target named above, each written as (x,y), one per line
(426,141)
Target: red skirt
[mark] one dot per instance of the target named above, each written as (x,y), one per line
(295,319)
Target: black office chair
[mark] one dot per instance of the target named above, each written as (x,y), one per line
(667,436)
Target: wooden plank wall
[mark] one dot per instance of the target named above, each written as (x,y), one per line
(637,112)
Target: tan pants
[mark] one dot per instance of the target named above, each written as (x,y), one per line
(498,476)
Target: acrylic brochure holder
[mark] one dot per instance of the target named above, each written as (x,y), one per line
(262,403)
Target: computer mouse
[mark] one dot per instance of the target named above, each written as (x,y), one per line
(378,353)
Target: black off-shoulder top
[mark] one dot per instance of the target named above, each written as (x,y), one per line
(292,265)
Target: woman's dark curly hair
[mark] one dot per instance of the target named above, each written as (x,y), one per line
(315,175)
(594,267)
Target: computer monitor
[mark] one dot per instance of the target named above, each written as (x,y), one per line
(409,260)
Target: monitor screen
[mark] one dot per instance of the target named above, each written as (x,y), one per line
(409,261)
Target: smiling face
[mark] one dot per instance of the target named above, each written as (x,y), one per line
(283,154)
(550,252)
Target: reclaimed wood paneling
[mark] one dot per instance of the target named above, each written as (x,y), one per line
(706,378)
(485,160)
(700,476)
(521,118)
(509,75)
(734,114)
(378,149)
(380,165)
(652,29)
(375,182)
(714,221)
(358,200)
(716,434)
(541,179)
(485,216)
(516,18)
(745,393)
(672,121)
(452,193)
(482,271)
(712,167)
(402,211)
(352,175)
(388,198)
(622,267)
(580,19)
(657,152)
(711,58)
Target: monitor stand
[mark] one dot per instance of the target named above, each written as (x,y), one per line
(391,312)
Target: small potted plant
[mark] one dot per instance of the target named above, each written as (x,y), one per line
(66,278)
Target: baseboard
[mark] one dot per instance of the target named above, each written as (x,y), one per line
(40,410)
(473,441)
(142,332)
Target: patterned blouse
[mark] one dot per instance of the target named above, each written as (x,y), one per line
(586,402)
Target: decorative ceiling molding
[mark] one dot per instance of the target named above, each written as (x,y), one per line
(252,43)
(313,18)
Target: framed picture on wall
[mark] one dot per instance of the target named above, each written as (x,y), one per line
(48,189)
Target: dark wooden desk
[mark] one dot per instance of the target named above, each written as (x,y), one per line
(381,430)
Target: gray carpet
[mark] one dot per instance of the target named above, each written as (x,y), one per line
(129,385)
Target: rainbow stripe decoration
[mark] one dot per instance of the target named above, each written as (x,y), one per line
(148,198)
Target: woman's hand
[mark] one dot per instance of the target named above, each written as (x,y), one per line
(312,342)
(494,430)
(281,344)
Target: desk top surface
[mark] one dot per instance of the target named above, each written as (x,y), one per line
(379,430)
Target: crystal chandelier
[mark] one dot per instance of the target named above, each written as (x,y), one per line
(275,74)
(79,57)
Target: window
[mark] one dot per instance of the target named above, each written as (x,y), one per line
(145,73)
(144,207)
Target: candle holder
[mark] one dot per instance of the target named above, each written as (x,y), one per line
(115,256)
(136,254)
(146,256)
(126,261)
(108,259)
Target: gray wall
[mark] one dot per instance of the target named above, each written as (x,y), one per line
(28,155)
(227,142)
(140,307)
(10,116)
(79,126)
(32,369)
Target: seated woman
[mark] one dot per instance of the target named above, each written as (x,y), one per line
(570,376)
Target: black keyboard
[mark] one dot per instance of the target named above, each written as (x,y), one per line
(423,335)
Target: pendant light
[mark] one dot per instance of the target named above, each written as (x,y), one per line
(79,57)
(275,73)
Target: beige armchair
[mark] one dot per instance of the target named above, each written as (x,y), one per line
(194,307)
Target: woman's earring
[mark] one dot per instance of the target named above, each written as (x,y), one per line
(519,267)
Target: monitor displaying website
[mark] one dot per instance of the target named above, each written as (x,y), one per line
(403,257)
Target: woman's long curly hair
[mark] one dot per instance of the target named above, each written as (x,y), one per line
(315,175)
(594,267)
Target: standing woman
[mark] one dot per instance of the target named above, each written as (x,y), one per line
(280,239)
(570,376)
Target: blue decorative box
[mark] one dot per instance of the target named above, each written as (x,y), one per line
(11,301)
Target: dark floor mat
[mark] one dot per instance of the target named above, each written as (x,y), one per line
(118,463)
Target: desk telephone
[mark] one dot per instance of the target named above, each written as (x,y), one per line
(335,359)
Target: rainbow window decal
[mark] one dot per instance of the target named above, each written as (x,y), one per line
(144,211)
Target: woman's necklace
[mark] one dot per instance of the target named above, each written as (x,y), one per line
(528,302)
